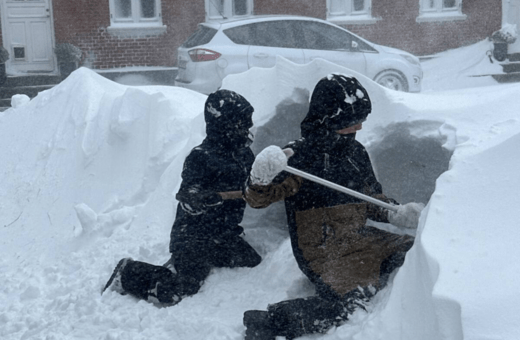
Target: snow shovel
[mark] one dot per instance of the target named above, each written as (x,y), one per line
(340,188)
(230,195)
(238,194)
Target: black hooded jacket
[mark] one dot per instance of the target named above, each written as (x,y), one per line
(331,243)
(221,163)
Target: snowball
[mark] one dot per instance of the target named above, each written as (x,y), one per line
(86,216)
(19,99)
(268,163)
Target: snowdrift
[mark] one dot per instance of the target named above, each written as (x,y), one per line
(90,168)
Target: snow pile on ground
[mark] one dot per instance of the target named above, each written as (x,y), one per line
(90,168)
(464,67)
(454,275)
(268,163)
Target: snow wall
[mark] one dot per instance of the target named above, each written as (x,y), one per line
(90,169)
(411,139)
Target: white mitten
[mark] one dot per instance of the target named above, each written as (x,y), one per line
(268,163)
(406,216)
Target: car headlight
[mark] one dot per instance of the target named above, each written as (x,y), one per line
(411,59)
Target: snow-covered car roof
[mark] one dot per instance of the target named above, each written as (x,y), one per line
(227,23)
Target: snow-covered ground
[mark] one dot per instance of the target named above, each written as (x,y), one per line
(461,68)
(89,170)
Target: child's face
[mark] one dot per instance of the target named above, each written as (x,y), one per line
(350,129)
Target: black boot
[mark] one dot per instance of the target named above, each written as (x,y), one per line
(258,325)
(115,279)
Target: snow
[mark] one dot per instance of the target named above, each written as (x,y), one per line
(90,169)
(19,99)
(461,68)
(510,31)
(268,163)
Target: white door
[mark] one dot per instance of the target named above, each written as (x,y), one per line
(511,15)
(28,36)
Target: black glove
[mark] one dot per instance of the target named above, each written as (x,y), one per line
(195,201)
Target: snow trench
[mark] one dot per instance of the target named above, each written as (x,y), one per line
(408,158)
(406,163)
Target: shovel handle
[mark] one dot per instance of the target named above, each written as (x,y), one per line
(340,188)
(231,195)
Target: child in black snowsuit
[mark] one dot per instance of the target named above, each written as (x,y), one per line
(347,261)
(206,231)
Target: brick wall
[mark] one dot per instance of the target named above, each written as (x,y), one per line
(311,8)
(398,27)
(84,23)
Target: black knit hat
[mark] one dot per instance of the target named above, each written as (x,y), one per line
(228,115)
(337,102)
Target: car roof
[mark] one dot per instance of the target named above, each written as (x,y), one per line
(227,23)
(234,22)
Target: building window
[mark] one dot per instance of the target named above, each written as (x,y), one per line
(135,17)
(350,11)
(440,10)
(225,9)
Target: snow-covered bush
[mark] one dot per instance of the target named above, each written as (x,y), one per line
(506,34)
(4,55)
(67,52)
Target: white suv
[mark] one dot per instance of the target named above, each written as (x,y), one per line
(220,48)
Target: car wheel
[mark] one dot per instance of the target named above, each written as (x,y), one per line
(392,79)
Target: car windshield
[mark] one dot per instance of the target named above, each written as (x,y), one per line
(318,36)
(202,36)
(295,34)
(270,33)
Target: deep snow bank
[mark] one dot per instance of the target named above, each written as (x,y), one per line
(90,167)
(438,292)
(85,156)
(464,67)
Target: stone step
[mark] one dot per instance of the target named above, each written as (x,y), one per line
(513,77)
(511,67)
(29,85)
(31,91)
(514,57)
(31,80)
(6,102)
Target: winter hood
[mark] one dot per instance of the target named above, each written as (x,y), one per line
(337,102)
(228,117)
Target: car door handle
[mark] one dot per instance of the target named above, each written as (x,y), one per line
(261,55)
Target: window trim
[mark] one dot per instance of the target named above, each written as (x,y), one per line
(135,26)
(227,10)
(348,16)
(439,13)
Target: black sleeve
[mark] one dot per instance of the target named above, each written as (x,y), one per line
(194,172)
(195,194)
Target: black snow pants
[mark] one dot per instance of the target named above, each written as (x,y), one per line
(317,314)
(192,262)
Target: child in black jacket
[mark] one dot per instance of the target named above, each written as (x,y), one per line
(206,231)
